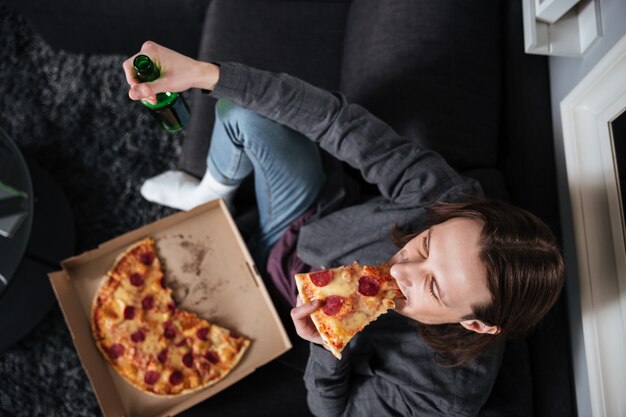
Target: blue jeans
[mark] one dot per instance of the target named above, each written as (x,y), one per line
(288,173)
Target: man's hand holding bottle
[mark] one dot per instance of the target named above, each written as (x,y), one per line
(178,73)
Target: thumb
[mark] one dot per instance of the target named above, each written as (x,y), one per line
(304,310)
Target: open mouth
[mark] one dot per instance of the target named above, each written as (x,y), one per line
(401,304)
(404,298)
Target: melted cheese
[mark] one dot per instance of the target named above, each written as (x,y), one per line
(115,309)
(342,285)
(125,294)
(151,345)
(354,321)
(175,357)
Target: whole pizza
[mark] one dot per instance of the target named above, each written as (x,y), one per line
(157,347)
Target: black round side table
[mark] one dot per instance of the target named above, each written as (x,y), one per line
(44,236)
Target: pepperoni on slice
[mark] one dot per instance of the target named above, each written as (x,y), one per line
(163,284)
(321,278)
(332,305)
(162,356)
(176,378)
(211,357)
(188,360)
(146,258)
(203,333)
(138,336)
(116,350)
(170,331)
(151,377)
(148,302)
(129,312)
(368,286)
(136,279)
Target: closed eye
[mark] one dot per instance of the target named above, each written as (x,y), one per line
(431,285)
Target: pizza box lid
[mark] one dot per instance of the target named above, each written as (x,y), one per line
(211,273)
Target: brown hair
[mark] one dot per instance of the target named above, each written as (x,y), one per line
(525,273)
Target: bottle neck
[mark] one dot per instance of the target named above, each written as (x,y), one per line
(146,69)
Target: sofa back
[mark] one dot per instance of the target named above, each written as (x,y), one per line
(431,72)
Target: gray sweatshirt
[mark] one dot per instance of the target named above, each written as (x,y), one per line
(387,370)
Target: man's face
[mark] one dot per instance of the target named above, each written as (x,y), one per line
(440,273)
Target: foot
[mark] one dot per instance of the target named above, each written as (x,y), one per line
(182,191)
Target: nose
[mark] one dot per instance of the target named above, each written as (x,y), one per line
(400,270)
(400,256)
(410,272)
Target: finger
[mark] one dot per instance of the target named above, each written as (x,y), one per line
(129,72)
(137,92)
(150,48)
(306,329)
(312,336)
(304,310)
(309,332)
(129,69)
(133,95)
(143,91)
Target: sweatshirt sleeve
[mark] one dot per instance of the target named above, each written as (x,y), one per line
(402,171)
(327,380)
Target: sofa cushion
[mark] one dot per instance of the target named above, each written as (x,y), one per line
(432,70)
(512,391)
(491,181)
(305,40)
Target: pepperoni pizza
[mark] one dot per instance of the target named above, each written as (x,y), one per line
(351,297)
(155,346)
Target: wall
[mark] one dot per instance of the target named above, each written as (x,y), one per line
(565,73)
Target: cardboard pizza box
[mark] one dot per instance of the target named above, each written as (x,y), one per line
(211,273)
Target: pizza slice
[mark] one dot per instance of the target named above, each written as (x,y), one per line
(351,297)
(155,346)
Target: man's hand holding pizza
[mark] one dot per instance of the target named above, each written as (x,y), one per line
(301,316)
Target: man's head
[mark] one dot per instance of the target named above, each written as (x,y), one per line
(481,271)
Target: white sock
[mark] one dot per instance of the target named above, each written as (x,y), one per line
(182,191)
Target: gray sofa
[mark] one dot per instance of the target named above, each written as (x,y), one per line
(449,73)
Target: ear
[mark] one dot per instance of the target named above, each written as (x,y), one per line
(480,327)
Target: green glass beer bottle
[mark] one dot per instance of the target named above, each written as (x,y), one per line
(171,109)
